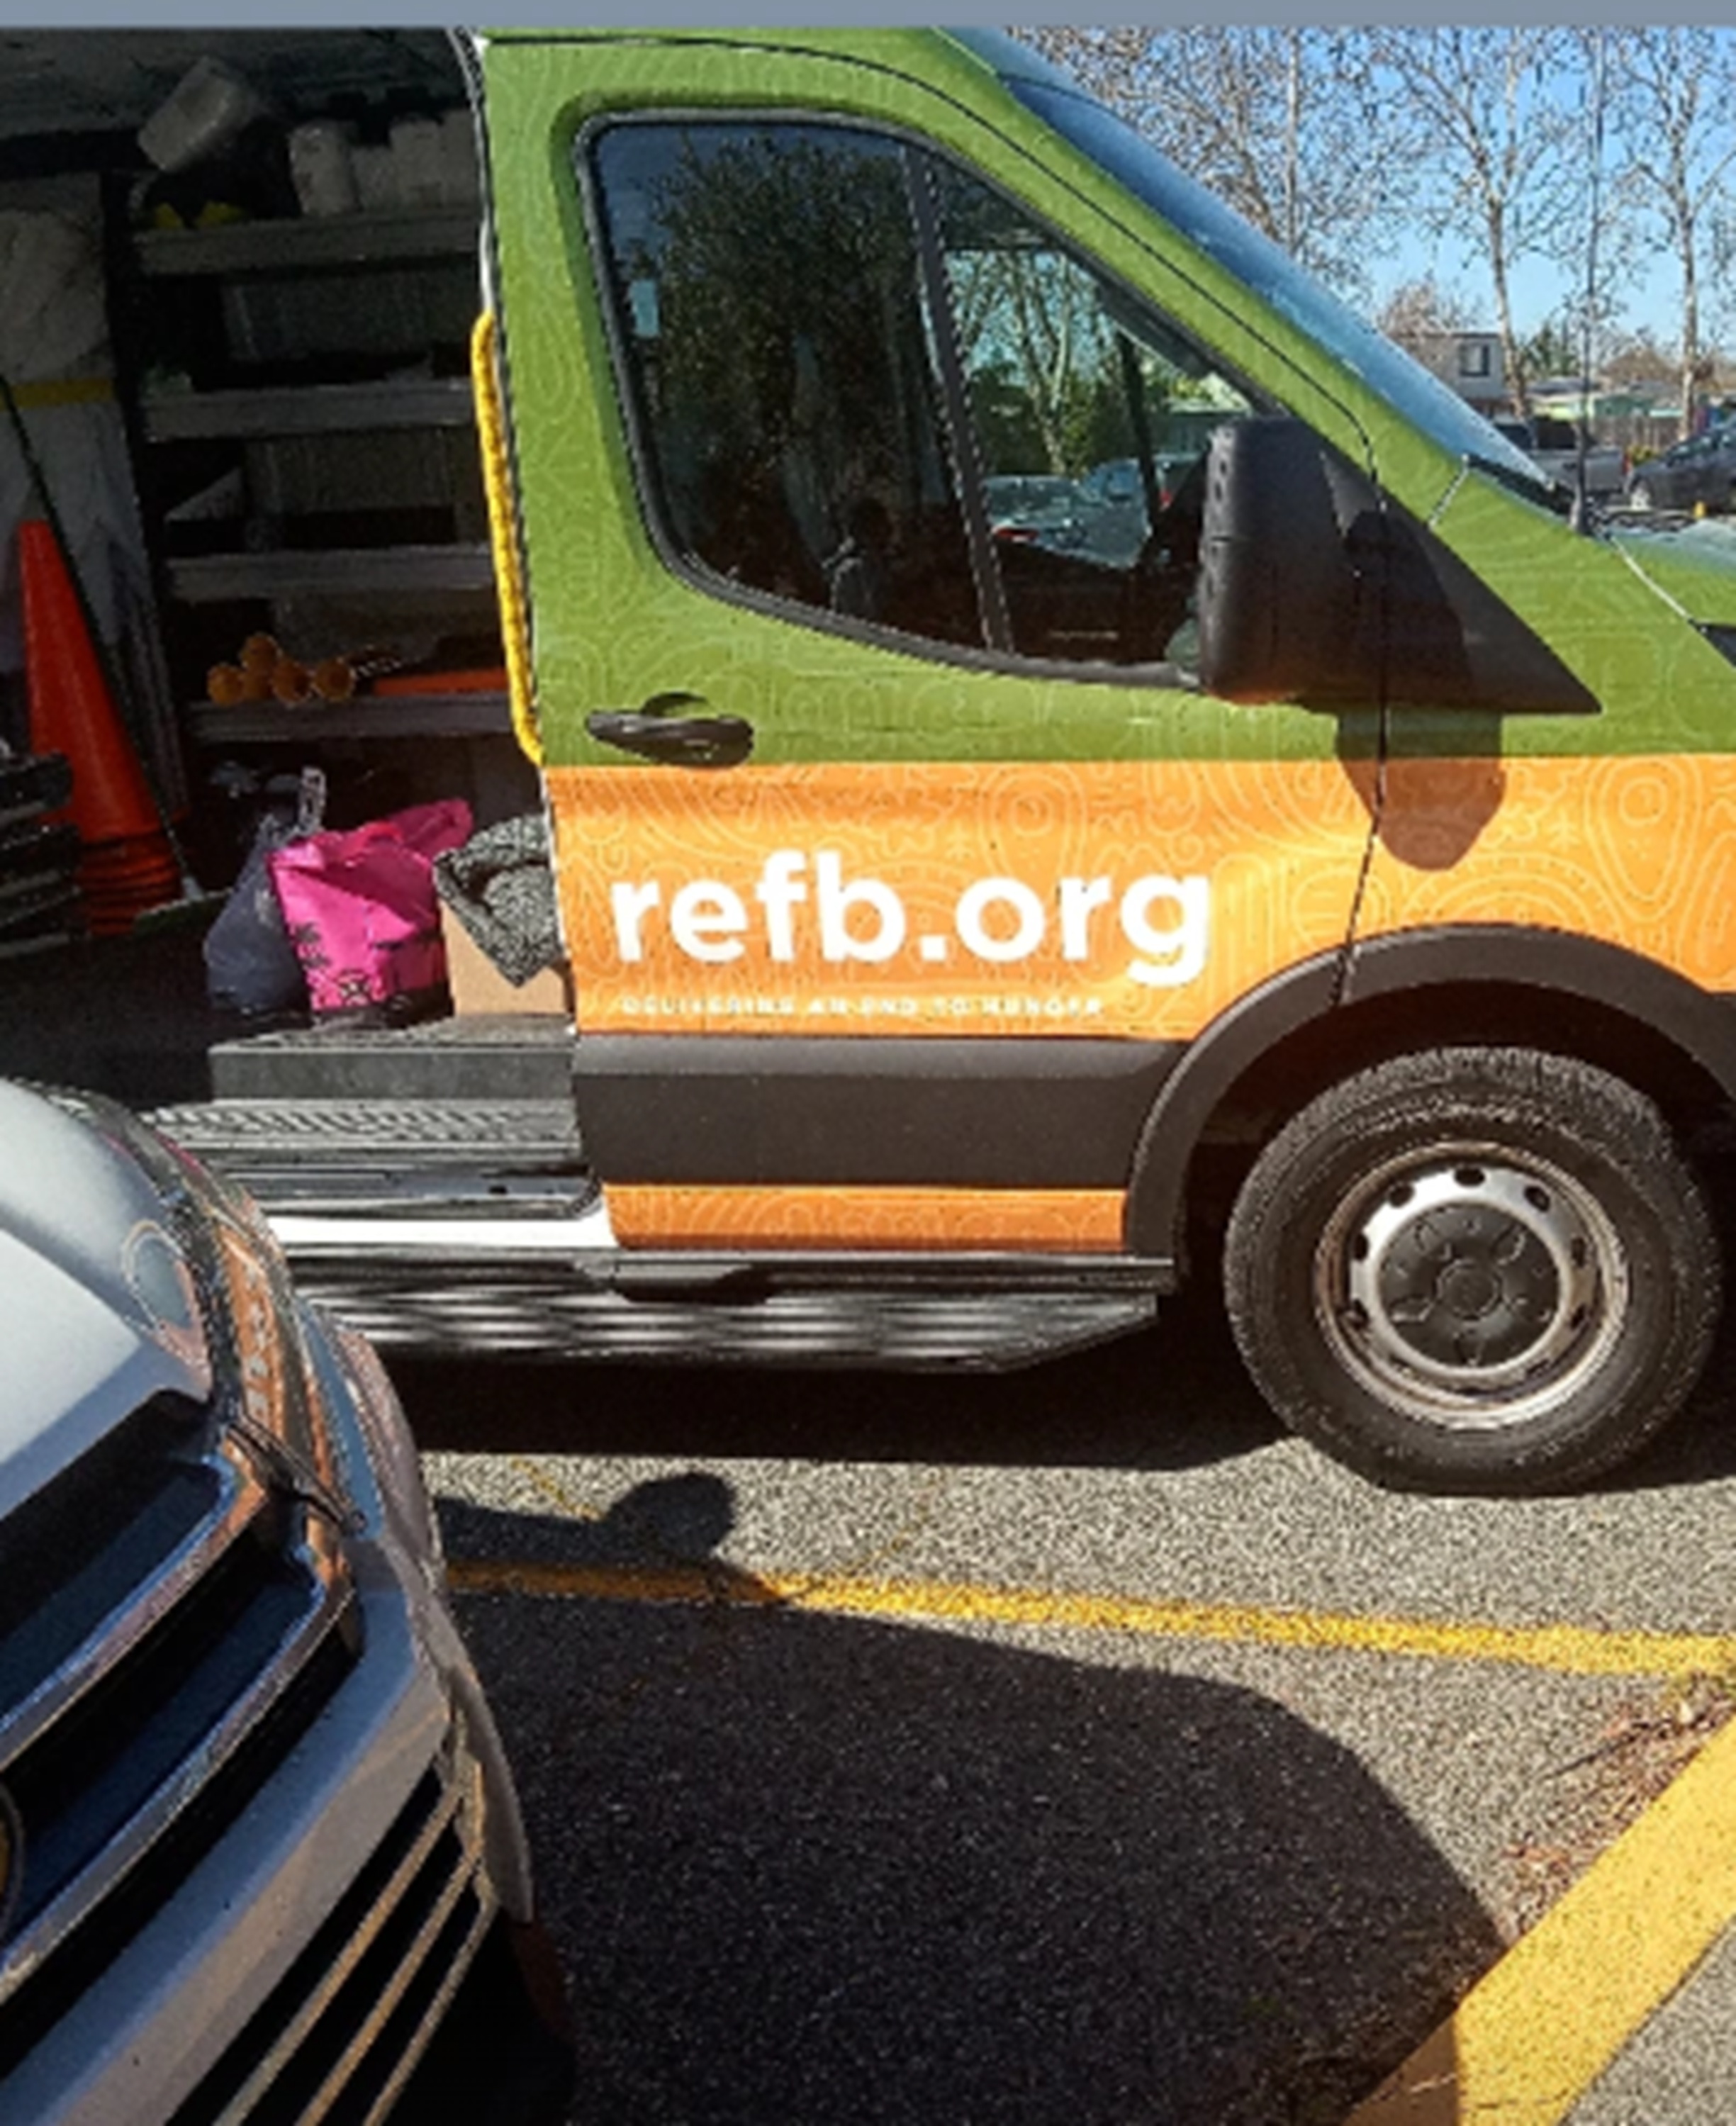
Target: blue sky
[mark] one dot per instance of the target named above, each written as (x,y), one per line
(1540,288)
(1649,295)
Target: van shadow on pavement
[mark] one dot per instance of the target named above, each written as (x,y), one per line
(804,1868)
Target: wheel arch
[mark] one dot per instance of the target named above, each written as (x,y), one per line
(1320,1021)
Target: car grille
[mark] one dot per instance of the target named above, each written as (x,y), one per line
(169,1625)
(337,2038)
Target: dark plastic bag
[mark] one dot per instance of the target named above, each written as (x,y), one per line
(251,964)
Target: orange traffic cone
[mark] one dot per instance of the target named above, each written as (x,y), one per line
(128,865)
(71,710)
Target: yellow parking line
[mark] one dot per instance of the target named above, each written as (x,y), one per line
(1563,1649)
(1548,2019)
(1532,2036)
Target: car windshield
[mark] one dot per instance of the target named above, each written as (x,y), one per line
(1011,491)
(1258,263)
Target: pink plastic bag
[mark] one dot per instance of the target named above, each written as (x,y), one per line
(360,908)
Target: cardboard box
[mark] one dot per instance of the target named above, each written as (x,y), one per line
(478,985)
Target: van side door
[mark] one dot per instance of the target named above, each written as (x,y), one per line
(859,462)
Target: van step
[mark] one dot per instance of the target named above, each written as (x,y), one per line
(504,1055)
(444,1227)
(557,1311)
(459,1157)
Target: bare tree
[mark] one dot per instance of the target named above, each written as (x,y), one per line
(1422,310)
(1675,109)
(1639,357)
(1043,319)
(1501,118)
(1287,123)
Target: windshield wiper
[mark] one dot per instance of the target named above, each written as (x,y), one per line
(1534,487)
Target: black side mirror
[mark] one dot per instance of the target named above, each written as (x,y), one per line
(1280,602)
(1315,589)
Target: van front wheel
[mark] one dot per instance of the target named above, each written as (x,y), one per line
(1474,1269)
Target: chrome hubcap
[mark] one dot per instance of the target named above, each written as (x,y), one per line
(1469,1286)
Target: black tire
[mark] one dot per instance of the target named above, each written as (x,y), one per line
(1474,1270)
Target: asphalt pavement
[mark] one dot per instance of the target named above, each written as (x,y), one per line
(1073,1747)
(1070,1747)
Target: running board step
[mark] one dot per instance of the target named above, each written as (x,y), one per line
(463,1158)
(558,1312)
(501,1055)
(469,1227)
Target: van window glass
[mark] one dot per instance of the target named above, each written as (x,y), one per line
(1091,415)
(865,382)
(770,301)
(1260,265)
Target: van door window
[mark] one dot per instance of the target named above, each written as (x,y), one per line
(864,382)
(1092,414)
(782,359)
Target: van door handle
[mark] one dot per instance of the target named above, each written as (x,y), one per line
(666,729)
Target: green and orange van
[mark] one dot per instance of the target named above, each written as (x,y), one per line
(1074,766)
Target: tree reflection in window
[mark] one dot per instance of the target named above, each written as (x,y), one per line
(1092,414)
(815,386)
(784,366)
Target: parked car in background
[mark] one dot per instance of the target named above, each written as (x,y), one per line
(1553,447)
(1035,509)
(1113,495)
(1116,482)
(260,1854)
(1700,470)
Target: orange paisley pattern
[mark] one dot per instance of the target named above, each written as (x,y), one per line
(1637,851)
(1278,845)
(1640,852)
(1084,1220)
